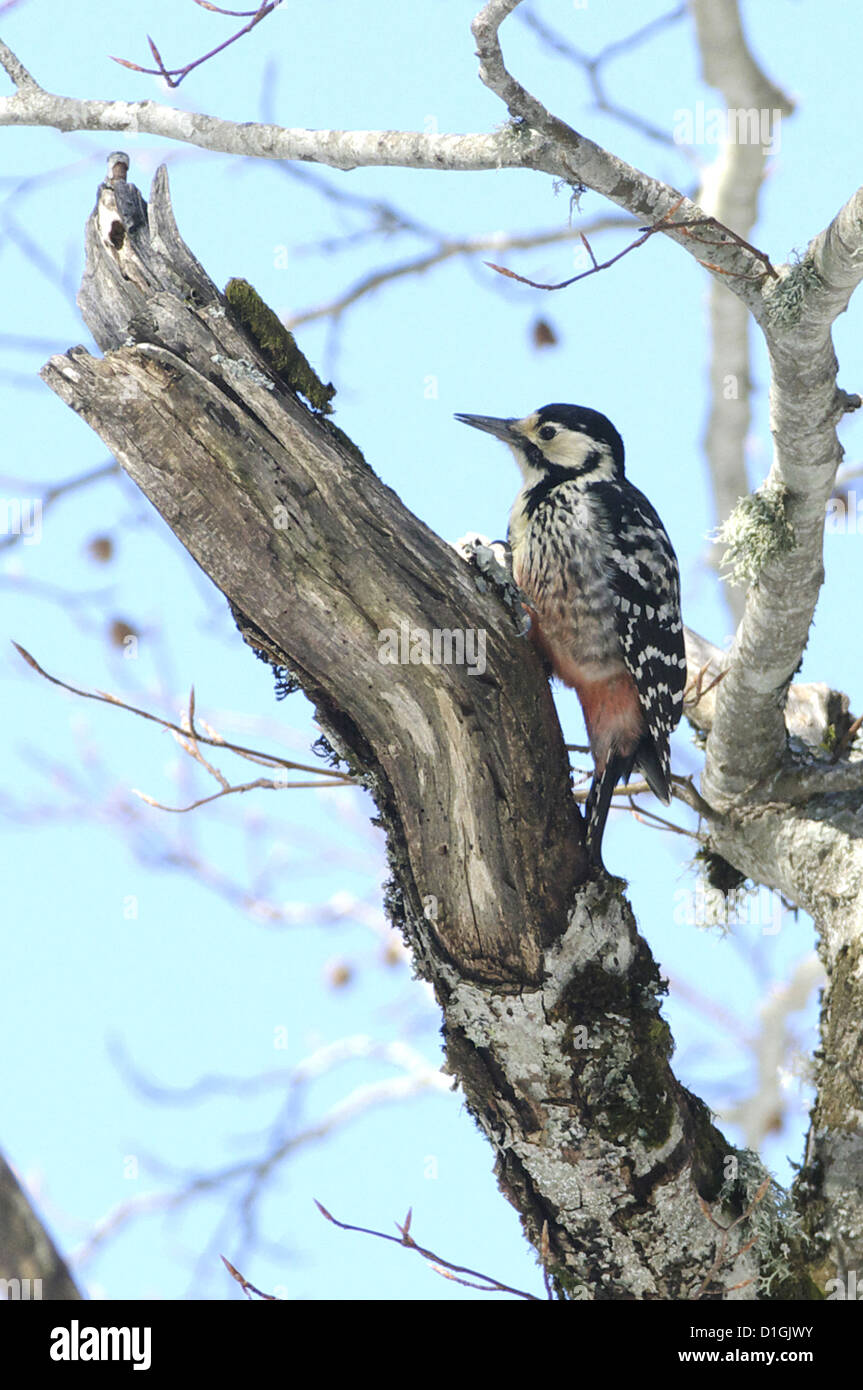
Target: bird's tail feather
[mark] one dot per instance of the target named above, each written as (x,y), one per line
(655,772)
(616,768)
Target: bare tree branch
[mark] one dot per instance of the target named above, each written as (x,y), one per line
(747,744)
(24,80)
(581,162)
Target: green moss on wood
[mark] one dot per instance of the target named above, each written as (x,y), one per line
(278,345)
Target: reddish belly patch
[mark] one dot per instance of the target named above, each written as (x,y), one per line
(610,704)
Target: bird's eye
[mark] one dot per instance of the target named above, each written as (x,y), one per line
(547,432)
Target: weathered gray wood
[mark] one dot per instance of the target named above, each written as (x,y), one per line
(305,541)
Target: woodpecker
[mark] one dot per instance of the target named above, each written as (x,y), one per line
(600,575)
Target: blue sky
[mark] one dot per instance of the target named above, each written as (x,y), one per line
(120,963)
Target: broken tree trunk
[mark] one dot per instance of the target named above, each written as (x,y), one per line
(549,997)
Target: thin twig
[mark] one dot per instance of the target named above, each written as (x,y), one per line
(174,76)
(654,818)
(489,1284)
(265,783)
(254,754)
(681,787)
(663,225)
(696,690)
(248,1289)
(685,790)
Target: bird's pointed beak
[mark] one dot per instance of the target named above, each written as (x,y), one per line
(501,429)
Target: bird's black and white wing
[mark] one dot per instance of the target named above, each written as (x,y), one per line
(645,581)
